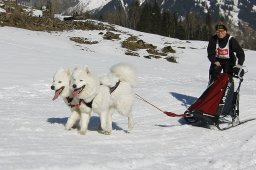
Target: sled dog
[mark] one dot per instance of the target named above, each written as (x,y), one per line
(113,92)
(61,86)
(121,81)
(95,97)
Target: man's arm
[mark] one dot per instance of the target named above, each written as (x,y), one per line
(239,51)
(211,50)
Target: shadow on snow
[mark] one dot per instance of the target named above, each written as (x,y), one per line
(93,124)
(185,101)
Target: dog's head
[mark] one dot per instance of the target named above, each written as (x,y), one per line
(61,83)
(83,82)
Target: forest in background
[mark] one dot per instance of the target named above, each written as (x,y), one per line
(151,19)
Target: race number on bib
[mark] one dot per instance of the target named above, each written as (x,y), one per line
(222,53)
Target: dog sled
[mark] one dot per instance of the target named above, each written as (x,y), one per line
(219,103)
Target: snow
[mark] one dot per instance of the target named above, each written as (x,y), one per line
(92,4)
(254,8)
(89,5)
(37,13)
(32,125)
(2,10)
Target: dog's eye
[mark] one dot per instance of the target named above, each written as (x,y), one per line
(59,81)
(81,80)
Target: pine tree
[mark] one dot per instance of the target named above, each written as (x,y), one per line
(165,24)
(134,14)
(155,19)
(180,31)
(145,23)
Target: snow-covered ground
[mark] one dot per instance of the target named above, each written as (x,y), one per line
(88,5)
(32,134)
(2,10)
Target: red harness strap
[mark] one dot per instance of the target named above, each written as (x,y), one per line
(171,114)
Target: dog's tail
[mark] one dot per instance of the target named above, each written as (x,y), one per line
(125,72)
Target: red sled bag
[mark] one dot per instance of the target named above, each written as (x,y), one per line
(208,102)
(218,105)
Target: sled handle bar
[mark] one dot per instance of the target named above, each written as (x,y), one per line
(241,73)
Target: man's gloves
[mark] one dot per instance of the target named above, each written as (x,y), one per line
(238,71)
(217,63)
(238,66)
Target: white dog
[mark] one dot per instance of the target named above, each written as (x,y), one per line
(86,86)
(121,80)
(61,86)
(114,93)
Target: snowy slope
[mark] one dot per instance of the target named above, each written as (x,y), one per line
(88,5)
(32,125)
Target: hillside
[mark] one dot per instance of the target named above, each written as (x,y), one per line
(185,16)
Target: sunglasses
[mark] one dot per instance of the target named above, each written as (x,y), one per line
(220,31)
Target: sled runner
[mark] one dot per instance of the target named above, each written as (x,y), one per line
(219,104)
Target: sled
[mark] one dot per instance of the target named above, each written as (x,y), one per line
(218,105)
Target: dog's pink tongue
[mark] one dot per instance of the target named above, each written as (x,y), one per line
(75,93)
(56,95)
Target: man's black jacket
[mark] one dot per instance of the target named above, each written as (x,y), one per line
(234,47)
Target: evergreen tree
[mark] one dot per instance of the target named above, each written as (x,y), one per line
(180,32)
(134,14)
(165,24)
(155,19)
(145,23)
(208,22)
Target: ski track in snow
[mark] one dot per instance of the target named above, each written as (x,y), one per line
(32,126)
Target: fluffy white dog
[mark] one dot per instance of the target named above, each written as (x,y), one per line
(120,80)
(95,97)
(113,92)
(61,86)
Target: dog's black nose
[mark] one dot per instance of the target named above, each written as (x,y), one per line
(52,87)
(74,86)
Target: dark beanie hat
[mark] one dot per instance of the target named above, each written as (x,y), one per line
(220,26)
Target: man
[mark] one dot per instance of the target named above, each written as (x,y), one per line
(221,49)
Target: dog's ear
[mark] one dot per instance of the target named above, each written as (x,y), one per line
(87,69)
(75,68)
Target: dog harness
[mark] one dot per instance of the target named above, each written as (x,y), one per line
(223,52)
(112,89)
(69,99)
(89,104)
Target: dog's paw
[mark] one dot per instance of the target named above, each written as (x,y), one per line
(130,127)
(107,133)
(82,132)
(99,128)
(67,127)
(104,132)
